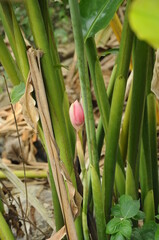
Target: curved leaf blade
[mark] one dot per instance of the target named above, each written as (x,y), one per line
(96,15)
(144,21)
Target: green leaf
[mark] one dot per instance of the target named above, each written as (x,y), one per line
(125,198)
(17,92)
(157,233)
(113,226)
(139,215)
(144,20)
(136,235)
(115,211)
(97,14)
(126,228)
(129,207)
(114,51)
(117,236)
(121,226)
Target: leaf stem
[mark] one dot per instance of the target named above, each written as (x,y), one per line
(116,113)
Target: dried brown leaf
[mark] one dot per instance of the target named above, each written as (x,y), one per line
(74,196)
(30,111)
(53,153)
(58,235)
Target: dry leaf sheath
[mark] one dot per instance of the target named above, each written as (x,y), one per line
(36,77)
(30,111)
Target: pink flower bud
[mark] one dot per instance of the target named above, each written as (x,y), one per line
(76,115)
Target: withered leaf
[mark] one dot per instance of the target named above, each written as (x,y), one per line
(59,235)
(53,153)
(74,197)
(29,109)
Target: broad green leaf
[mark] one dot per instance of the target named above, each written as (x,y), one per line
(96,15)
(129,207)
(125,198)
(139,215)
(157,216)
(113,226)
(17,92)
(117,236)
(126,228)
(144,20)
(115,211)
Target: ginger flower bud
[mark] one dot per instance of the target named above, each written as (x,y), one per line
(76,115)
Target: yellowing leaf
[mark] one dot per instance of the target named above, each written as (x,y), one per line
(144,20)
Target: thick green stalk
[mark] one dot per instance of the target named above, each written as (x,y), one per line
(5,232)
(136,116)
(56,204)
(56,62)
(58,75)
(116,114)
(85,85)
(100,130)
(88,111)
(9,65)
(55,93)
(123,141)
(151,110)
(98,82)
(146,172)
(80,152)
(151,104)
(51,39)
(57,97)
(15,37)
(98,204)
(103,103)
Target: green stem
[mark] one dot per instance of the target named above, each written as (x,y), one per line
(80,152)
(123,141)
(9,64)
(136,116)
(15,37)
(88,111)
(146,172)
(29,174)
(57,98)
(5,232)
(103,104)
(151,110)
(100,130)
(51,39)
(85,85)
(151,104)
(116,113)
